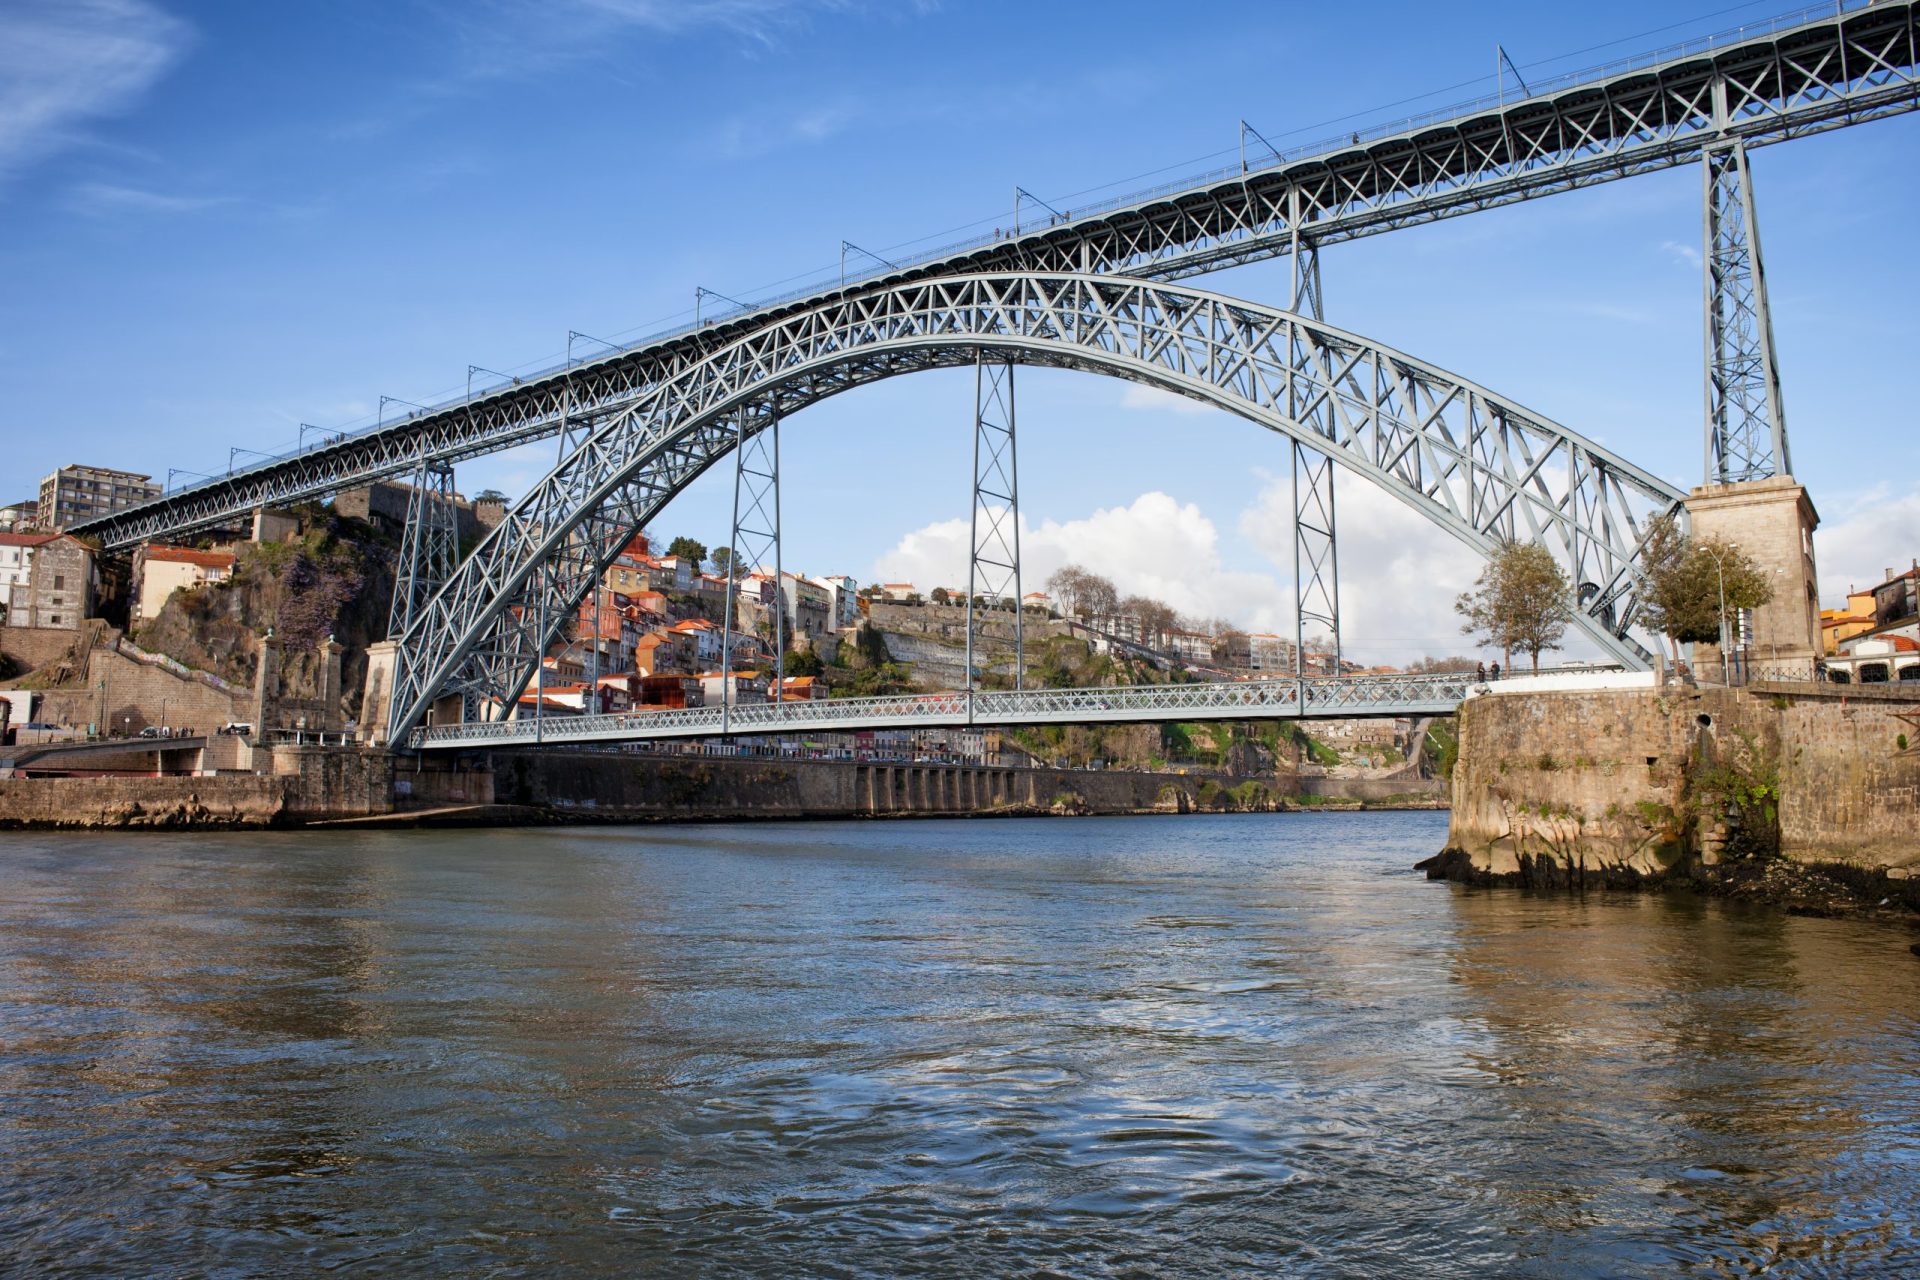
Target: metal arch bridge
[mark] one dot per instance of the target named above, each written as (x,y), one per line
(1478,465)
(638,424)
(1438,694)
(1823,68)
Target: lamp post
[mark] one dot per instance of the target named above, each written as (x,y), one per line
(1720,571)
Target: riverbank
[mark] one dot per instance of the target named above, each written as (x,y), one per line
(314,786)
(1818,889)
(1803,797)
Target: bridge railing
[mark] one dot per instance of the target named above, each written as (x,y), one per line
(1254,699)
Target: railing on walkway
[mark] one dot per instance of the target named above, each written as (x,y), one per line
(1328,698)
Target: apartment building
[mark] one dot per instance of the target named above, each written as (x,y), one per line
(76,493)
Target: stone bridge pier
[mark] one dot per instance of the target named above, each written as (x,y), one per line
(1771,520)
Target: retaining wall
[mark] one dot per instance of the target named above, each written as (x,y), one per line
(1601,779)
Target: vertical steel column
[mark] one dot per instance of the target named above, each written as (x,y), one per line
(1746,429)
(993,565)
(429,548)
(756,535)
(1316,560)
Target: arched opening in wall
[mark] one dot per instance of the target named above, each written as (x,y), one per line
(1911,672)
(1839,677)
(1873,673)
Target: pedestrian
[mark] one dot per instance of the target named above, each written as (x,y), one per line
(1480,672)
(1493,672)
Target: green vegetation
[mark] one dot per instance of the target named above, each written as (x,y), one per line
(796,662)
(689,549)
(1443,746)
(1739,783)
(1685,581)
(1522,602)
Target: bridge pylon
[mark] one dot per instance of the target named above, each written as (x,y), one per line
(1746,425)
(429,547)
(756,539)
(1316,558)
(993,563)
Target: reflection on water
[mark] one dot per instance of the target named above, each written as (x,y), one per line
(1194,1046)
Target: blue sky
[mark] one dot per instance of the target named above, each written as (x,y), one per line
(220,220)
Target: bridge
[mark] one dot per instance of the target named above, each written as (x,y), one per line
(1315,698)
(1097,289)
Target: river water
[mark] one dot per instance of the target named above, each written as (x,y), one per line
(1202,1046)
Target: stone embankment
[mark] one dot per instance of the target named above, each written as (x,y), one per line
(1803,794)
(305,785)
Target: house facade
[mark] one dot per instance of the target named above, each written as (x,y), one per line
(159,571)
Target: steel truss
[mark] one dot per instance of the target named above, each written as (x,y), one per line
(429,547)
(1832,70)
(993,565)
(1476,464)
(1746,417)
(1316,552)
(756,540)
(1227,700)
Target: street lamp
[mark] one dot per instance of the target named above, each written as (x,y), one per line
(1720,571)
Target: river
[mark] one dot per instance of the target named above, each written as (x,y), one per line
(1202,1046)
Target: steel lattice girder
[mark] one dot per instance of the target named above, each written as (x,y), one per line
(1477,464)
(1830,71)
(1746,417)
(1232,700)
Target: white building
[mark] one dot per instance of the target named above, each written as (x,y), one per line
(844,597)
(161,571)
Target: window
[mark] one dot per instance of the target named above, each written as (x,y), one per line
(59,581)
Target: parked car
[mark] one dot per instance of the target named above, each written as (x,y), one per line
(156,731)
(238,728)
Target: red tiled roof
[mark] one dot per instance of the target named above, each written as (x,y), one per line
(27,539)
(187,555)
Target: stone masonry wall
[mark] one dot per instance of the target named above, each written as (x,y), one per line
(131,694)
(226,801)
(33,647)
(615,786)
(1601,779)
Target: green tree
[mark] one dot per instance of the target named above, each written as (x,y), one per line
(942,596)
(722,560)
(1685,577)
(689,548)
(1521,601)
(802,663)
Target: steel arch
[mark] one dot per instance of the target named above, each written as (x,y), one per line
(1476,464)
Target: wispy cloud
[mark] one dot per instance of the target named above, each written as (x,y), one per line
(1685,254)
(67,63)
(1154,400)
(101,199)
(742,137)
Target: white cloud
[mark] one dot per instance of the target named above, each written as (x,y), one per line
(1399,572)
(1155,546)
(1685,254)
(64,63)
(1142,397)
(1880,531)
